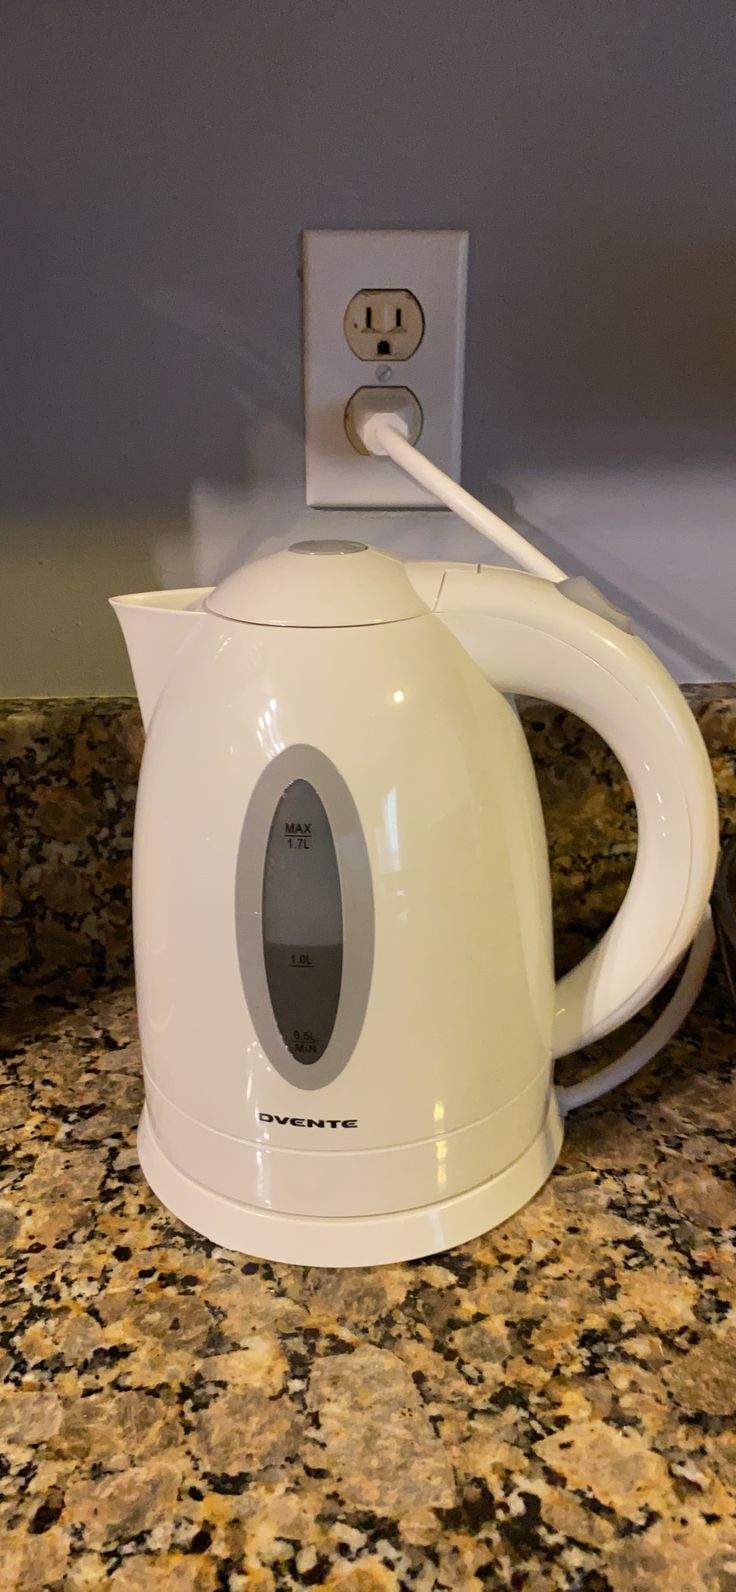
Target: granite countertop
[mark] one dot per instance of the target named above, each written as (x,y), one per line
(550,1406)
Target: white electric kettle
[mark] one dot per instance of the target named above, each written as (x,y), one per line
(343,932)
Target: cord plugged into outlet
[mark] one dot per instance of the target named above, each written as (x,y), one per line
(406,336)
(399,402)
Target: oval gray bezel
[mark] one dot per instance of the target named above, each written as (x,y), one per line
(356,890)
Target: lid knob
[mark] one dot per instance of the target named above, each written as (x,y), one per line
(321,589)
(327,548)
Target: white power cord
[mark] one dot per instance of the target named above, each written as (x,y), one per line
(385,434)
(660,1033)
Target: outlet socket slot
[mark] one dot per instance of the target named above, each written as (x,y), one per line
(383,323)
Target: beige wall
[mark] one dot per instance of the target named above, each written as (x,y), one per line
(157,163)
(58,635)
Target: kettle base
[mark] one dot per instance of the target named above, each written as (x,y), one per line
(354,1240)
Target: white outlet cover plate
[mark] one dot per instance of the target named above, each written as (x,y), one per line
(336,265)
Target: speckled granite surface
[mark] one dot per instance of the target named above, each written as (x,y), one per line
(550,1406)
(68,777)
(68,774)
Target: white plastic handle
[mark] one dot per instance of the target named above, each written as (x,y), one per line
(530,639)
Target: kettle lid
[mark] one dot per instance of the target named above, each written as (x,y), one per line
(320,584)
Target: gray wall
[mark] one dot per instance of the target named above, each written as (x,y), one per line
(158,162)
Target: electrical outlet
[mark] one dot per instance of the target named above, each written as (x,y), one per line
(419,311)
(384,323)
(368,401)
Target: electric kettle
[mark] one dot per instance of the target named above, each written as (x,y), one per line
(342,919)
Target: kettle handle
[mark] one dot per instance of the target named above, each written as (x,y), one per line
(530,639)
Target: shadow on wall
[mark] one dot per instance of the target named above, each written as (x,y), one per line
(635,367)
(665,346)
(127,392)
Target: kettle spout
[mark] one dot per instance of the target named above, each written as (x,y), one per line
(154,625)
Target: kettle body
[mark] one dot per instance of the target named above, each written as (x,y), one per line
(342,920)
